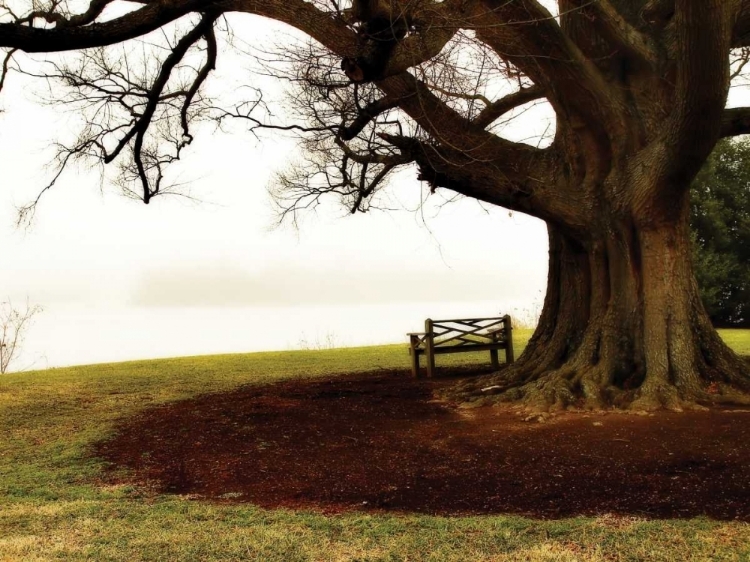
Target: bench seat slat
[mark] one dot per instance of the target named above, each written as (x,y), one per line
(462,349)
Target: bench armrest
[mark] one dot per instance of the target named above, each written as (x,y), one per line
(418,339)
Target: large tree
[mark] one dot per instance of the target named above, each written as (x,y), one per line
(639,92)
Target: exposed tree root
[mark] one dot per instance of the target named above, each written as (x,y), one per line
(657,396)
(580,385)
(622,328)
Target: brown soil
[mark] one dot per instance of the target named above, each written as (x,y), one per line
(380,442)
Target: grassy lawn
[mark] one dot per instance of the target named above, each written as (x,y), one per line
(739,340)
(52,506)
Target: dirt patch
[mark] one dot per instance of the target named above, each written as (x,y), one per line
(380,442)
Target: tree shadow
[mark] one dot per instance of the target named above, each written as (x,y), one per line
(381,442)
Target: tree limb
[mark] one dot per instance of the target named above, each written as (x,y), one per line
(621,32)
(446,125)
(742,35)
(704,31)
(435,30)
(500,107)
(735,121)
(67,37)
(94,10)
(742,27)
(71,34)
(477,163)
(540,196)
(658,11)
(524,33)
(702,41)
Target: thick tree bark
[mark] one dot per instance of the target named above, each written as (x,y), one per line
(622,326)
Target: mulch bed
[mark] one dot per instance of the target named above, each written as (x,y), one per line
(380,442)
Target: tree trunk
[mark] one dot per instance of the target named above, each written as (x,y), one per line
(622,326)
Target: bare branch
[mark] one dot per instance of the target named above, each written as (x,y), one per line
(366,115)
(142,123)
(121,104)
(244,112)
(365,189)
(26,213)
(371,157)
(739,61)
(13,325)
(210,65)
(4,68)
(500,107)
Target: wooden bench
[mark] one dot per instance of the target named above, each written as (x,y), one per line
(458,336)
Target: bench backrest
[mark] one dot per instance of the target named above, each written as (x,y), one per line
(468,331)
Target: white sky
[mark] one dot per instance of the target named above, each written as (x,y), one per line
(147,267)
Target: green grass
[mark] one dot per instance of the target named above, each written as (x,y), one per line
(739,340)
(53,508)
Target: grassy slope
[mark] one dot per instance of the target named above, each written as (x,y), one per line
(52,508)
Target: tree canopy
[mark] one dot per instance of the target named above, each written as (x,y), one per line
(638,89)
(720,219)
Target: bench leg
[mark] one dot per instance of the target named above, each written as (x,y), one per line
(414,363)
(430,363)
(429,348)
(509,356)
(494,359)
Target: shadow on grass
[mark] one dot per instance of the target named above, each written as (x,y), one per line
(380,442)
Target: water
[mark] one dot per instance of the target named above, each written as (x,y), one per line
(72,335)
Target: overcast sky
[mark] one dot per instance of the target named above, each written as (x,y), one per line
(92,249)
(89,245)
